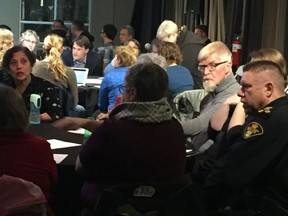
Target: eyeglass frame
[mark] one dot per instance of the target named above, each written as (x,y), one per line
(122,88)
(29,41)
(210,66)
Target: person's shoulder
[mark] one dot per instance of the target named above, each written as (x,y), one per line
(93,56)
(36,140)
(187,37)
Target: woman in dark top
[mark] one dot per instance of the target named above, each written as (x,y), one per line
(19,61)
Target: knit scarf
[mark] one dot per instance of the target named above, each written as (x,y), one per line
(147,112)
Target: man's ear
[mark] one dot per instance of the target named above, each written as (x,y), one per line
(132,94)
(269,89)
(86,50)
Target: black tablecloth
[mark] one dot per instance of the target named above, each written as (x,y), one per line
(65,200)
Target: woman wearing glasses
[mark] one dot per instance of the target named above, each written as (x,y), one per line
(140,142)
(29,39)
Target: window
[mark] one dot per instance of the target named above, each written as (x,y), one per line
(39,14)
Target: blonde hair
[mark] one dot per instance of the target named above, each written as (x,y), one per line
(166,28)
(6,42)
(53,45)
(126,55)
(218,48)
(272,55)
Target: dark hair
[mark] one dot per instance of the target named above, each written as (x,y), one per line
(79,25)
(60,21)
(59,32)
(82,41)
(150,81)
(5,27)
(13,114)
(110,31)
(9,55)
(266,65)
(203,28)
(171,52)
(130,30)
(137,43)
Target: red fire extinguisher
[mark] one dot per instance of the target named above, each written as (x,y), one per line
(236,51)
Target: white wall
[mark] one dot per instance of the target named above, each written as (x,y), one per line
(10,15)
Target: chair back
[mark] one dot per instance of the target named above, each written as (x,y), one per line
(187,104)
(177,198)
(20,197)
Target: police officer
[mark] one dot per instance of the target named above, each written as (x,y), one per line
(256,167)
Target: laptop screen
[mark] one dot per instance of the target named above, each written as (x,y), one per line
(81,75)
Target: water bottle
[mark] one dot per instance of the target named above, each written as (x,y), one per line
(35,104)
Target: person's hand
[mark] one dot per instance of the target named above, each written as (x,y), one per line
(102,116)
(66,123)
(233,100)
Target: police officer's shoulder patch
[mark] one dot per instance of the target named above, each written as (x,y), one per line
(253,129)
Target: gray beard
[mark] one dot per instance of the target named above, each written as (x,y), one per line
(209,87)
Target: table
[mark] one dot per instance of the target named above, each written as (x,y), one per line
(65,200)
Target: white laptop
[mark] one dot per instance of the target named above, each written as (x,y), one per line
(81,75)
(94,81)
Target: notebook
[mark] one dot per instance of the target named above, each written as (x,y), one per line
(81,75)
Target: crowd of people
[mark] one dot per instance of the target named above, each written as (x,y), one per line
(238,138)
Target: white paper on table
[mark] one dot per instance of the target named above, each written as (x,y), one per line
(59,157)
(57,144)
(78,131)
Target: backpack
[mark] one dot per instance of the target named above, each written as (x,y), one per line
(66,101)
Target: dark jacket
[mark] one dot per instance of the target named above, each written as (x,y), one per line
(256,163)
(94,62)
(190,46)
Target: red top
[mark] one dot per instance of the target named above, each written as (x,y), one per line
(29,157)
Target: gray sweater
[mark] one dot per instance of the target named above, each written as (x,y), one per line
(41,69)
(225,89)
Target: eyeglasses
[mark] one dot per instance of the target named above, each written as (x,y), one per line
(210,66)
(122,88)
(29,41)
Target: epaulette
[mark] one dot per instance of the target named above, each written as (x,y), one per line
(266,110)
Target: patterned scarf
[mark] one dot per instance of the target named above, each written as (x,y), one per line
(147,112)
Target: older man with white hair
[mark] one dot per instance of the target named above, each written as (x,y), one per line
(218,80)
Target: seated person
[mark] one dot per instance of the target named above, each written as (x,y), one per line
(22,154)
(119,150)
(19,61)
(81,56)
(6,42)
(29,39)
(107,49)
(179,77)
(52,68)
(254,169)
(218,80)
(109,89)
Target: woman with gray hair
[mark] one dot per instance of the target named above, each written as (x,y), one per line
(29,39)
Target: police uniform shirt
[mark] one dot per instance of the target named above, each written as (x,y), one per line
(258,160)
